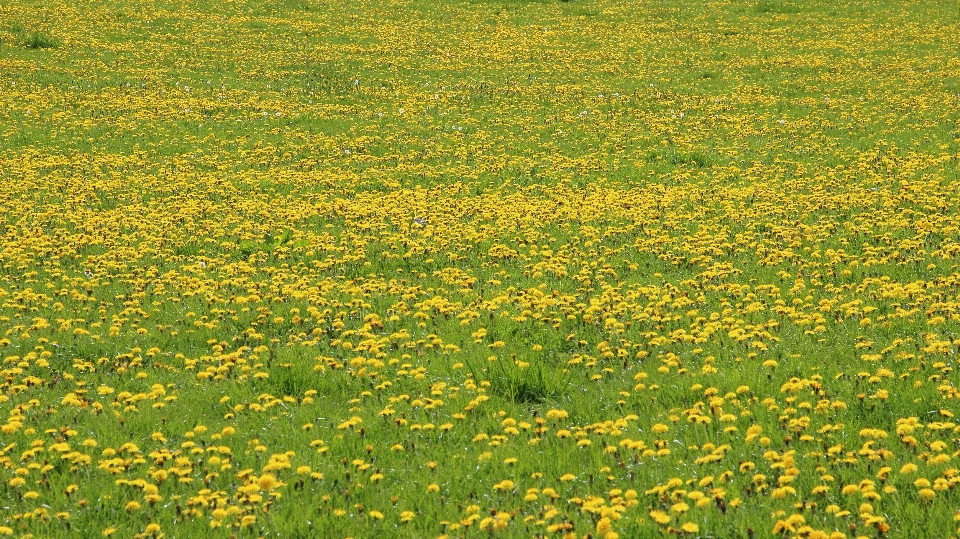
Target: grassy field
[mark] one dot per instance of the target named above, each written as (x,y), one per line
(409,268)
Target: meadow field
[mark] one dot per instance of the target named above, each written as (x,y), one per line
(471,268)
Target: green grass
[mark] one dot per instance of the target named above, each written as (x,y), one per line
(39,41)
(287,223)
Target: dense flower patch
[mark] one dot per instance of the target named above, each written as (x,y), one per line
(574,269)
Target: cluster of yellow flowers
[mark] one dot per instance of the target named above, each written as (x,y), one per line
(254,286)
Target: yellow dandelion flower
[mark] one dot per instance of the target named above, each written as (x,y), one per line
(660,517)
(557,414)
(603,525)
(679,507)
(504,485)
(267,482)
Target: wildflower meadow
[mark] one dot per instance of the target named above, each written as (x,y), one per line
(479,268)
